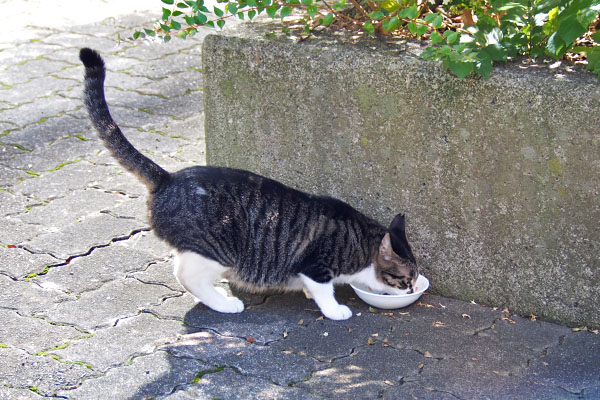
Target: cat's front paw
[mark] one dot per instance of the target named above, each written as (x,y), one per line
(338,313)
(229,305)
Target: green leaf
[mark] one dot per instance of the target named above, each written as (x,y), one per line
(461,69)
(177,13)
(339,5)
(221,23)
(251,14)
(570,29)
(175,25)
(149,32)
(556,45)
(451,36)
(306,2)
(168,1)
(495,51)
(272,10)
(484,66)
(593,58)
(166,14)
(182,5)
(421,29)
(369,28)
(312,11)
(410,12)
(391,24)
(218,11)
(231,8)
(434,20)
(376,15)
(285,11)
(200,19)
(436,38)
(327,20)
(412,27)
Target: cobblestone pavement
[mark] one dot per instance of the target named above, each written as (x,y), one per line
(88,305)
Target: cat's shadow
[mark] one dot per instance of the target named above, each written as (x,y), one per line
(210,337)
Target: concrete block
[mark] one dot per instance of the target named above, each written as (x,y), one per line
(499,179)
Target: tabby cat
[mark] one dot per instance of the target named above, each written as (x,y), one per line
(257,232)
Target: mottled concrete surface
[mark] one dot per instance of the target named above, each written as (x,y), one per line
(89,308)
(499,179)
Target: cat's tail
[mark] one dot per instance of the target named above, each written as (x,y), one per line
(150,173)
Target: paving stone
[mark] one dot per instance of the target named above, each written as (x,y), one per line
(18,263)
(265,323)
(327,340)
(27,91)
(70,42)
(451,376)
(32,334)
(159,273)
(568,365)
(231,385)
(282,368)
(147,241)
(90,272)
(44,375)
(171,86)
(16,232)
(535,335)
(26,297)
(15,203)
(38,111)
(145,377)
(52,155)
(39,66)
(72,208)
(79,238)
(68,178)
(111,302)
(7,393)
(116,345)
(367,374)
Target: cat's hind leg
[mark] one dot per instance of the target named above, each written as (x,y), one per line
(322,293)
(197,275)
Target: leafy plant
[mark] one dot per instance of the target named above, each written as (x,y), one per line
(465,35)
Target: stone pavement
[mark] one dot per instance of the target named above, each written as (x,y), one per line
(88,305)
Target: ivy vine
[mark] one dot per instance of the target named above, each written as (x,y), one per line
(467,36)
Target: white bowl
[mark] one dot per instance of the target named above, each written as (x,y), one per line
(389,301)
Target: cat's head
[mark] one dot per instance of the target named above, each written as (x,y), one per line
(395,264)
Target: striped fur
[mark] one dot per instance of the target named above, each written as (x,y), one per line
(258,232)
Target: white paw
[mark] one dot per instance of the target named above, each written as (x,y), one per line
(338,313)
(230,305)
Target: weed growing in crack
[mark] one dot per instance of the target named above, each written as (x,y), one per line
(202,373)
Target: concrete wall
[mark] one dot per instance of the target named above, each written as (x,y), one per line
(499,179)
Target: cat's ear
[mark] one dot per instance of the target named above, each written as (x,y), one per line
(398,238)
(385,248)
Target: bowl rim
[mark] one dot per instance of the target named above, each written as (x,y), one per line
(396,296)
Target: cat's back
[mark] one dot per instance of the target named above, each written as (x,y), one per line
(236,184)
(209,195)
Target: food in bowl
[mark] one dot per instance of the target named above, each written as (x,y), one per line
(390,301)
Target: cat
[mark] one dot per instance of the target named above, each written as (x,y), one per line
(255,231)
